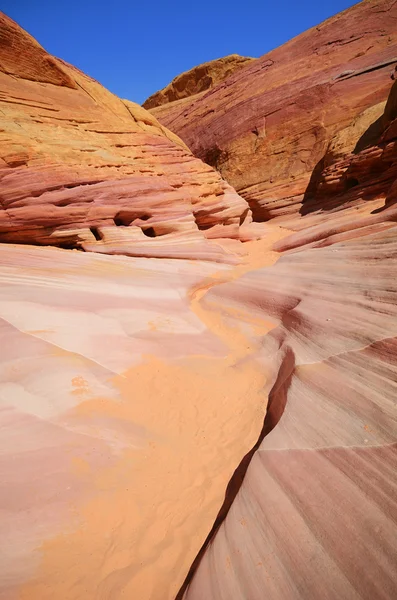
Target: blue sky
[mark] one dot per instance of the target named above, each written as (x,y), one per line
(135,48)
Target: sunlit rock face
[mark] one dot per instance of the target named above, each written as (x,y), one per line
(91,350)
(191,84)
(211,429)
(125,407)
(81,168)
(316,512)
(315,515)
(266,127)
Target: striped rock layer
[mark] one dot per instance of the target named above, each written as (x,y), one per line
(315,515)
(81,168)
(184,428)
(268,126)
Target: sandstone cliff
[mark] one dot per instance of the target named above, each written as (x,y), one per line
(199,79)
(81,168)
(315,515)
(267,126)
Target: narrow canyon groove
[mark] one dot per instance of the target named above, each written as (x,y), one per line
(275,407)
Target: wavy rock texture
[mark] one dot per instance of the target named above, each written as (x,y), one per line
(74,438)
(315,516)
(196,81)
(267,126)
(81,168)
(123,417)
(134,390)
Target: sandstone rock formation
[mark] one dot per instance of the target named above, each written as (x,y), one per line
(180,428)
(315,515)
(81,168)
(123,417)
(113,391)
(193,83)
(267,126)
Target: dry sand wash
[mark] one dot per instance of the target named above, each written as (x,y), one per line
(139,533)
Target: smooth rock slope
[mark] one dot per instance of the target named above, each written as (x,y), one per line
(316,514)
(124,410)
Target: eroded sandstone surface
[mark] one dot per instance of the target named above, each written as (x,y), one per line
(198,80)
(315,515)
(211,429)
(268,126)
(81,168)
(123,416)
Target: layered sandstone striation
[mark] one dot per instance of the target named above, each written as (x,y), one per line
(81,168)
(315,515)
(266,127)
(123,417)
(198,80)
(180,428)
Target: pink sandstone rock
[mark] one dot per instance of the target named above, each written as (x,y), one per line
(75,328)
(315,515)
(133,388)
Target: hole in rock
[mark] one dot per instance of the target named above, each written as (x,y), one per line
(124,219)
(260,214)
(243,216)
(119,221)
(69,245)
(149,232)
(95,232)
(200,217)
(213,157)
(204,226)
(351,183)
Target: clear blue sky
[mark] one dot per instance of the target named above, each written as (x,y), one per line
(136,48)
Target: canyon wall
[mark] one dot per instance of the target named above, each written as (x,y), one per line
(315,514)
(268,126)
(81,168)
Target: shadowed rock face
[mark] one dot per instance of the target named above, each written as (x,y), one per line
(267,126)
(81,168)
(197,80)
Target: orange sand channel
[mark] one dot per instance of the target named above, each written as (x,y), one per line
(152,510)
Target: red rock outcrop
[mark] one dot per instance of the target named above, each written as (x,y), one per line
(267,126)
(315,515)
(193,83)
(81,168)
